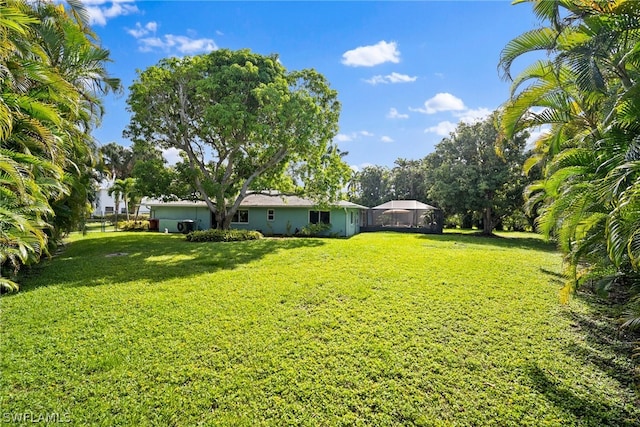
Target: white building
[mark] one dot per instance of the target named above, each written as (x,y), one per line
(106,204)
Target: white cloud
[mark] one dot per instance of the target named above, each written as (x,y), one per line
(172,155)
(442,128)
(536,134)
(473,115)
(148,41)
(101,10)
(393,114)
(183,44)
(358,168)
(375,80)
(141,31)
(391,78)
(341,137)
(441,102)
(386,139)
(401,78)
(368,56)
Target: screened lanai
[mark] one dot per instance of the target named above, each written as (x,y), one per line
(405,215)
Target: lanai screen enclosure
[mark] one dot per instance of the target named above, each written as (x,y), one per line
(405,215)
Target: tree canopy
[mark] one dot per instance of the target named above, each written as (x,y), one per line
(244,123)
(466,174)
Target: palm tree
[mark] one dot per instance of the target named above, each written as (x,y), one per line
(122,188)
(117,160)
(51,73)
(72,49)
(587,93)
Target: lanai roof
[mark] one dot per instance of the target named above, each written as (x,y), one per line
(405,204)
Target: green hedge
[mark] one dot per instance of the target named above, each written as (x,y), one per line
(133,225)
(314,230)
(214,235)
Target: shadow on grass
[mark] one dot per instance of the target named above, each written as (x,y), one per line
(598,343)
(603,343)
(532,243)
(122,258)
(585,407)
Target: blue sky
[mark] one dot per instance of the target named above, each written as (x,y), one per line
(405,72)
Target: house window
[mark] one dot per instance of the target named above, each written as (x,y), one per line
(352,220)
(108,210)
(241,216)
(271,214)
(319,217)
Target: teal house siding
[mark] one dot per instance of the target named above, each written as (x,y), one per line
(269,214)
(285,220)
(288,221)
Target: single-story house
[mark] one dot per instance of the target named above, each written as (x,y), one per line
(271,214)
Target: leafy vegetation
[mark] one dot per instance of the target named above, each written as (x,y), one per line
(379,329)
(53,72)
(315,230)
(133,225)
(586,93)
(465,176)
(217,235)
(283,140)
(375,185)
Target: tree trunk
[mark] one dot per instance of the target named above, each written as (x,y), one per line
(117,210)
(223,221)
(487,221)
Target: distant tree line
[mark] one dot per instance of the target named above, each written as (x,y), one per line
(465,176)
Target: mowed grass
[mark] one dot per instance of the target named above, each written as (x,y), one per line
(380,329)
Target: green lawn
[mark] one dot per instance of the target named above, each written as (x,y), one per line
(380,329)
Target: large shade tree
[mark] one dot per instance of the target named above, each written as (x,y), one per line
(465,173)
(244,122)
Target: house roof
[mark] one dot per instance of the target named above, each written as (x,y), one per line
(405,204)
(254,200)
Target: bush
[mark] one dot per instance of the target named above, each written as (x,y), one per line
(313,230)
(133,225)
(214,235)
(517,221)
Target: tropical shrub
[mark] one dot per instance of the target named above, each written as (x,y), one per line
(585,93)
(216,235)
(311,230)
(53,73)
(133,225)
